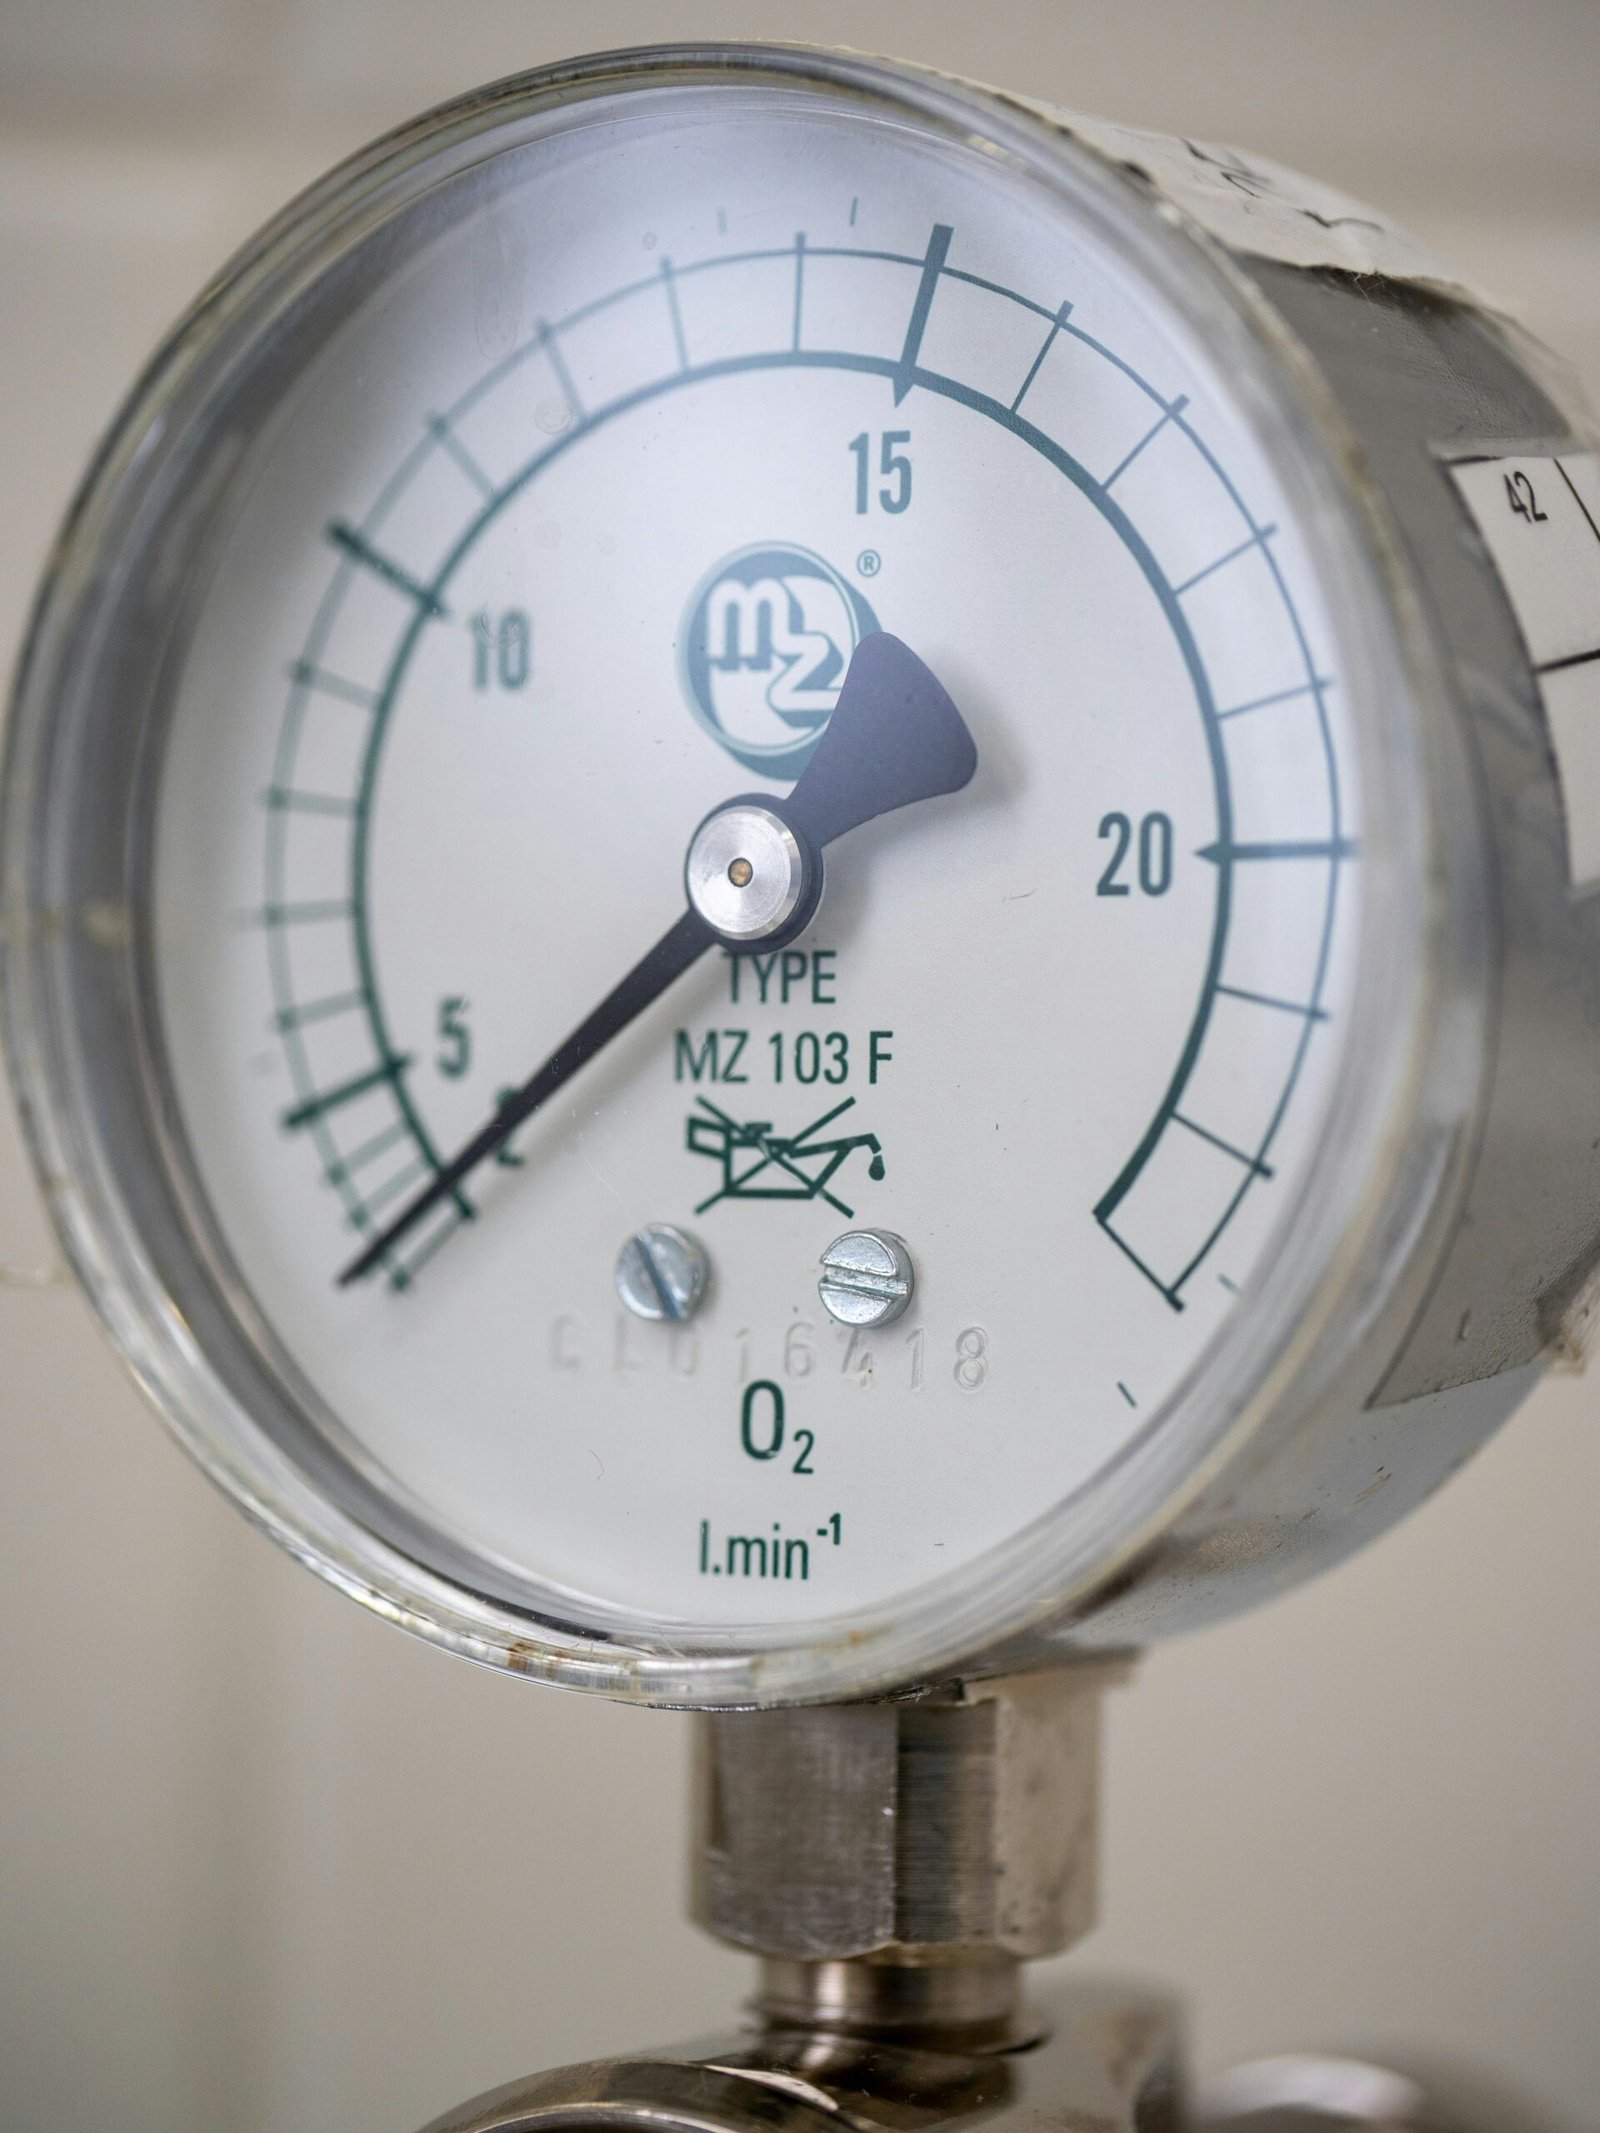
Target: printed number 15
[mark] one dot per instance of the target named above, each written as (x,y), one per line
(893,465)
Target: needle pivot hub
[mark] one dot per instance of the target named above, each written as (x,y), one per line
(751,876)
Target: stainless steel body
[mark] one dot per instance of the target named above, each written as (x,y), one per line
(894,1862)
(1498,1236)
(1440,1258)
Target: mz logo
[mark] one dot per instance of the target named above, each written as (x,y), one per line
(766,642)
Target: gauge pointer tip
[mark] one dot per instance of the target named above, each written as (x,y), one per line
(894,738)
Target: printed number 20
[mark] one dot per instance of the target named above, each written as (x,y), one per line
(893,465)
(1153,864)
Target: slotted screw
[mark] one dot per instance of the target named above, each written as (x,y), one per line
(867,1278)
(662,1273)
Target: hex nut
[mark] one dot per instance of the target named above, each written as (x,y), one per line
(962,1820)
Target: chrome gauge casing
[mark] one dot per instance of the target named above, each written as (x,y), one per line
(1418,1232)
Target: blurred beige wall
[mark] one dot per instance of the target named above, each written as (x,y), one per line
(269,1867)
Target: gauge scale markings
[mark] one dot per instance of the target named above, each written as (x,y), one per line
(903,372)
(527,521)
(569,505)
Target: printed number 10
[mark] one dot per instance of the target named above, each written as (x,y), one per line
(502,649)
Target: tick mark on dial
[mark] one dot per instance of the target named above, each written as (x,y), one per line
(1045,347)
(356,545)
(330,1099)
(905,370)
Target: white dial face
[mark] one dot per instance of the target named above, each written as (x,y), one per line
(567,536)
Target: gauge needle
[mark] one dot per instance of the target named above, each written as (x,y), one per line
(894,738)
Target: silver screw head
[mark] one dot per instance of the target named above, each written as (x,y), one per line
(662,1273)
(867,1278)
(745,874)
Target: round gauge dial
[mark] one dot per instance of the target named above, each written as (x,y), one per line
(633,1260)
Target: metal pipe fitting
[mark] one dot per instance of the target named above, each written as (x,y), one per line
(1110,2066)
(967,2002)
(895,1862)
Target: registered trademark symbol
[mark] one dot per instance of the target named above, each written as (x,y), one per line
(869,562)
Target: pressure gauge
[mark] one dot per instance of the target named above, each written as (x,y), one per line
(788,897)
